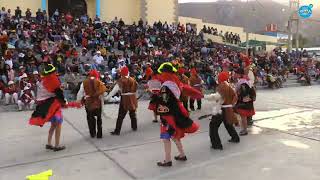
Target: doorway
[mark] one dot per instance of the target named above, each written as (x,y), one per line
(76,7)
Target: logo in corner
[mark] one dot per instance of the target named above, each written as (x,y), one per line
(305,11)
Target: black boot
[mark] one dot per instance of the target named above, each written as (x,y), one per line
(99,134)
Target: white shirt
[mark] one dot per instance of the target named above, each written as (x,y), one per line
(9,62)
(114,91)
(98,59)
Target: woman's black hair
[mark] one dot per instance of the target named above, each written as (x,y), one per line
(167,68)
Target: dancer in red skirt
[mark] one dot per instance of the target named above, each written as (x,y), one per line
(50,100)
(153,86)
(246,96)
(175,121)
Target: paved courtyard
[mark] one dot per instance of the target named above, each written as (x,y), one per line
(283,144)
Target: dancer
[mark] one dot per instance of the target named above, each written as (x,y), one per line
(154,88)
(50,100)
(92,90)
(185,80)
(246,97)
(227,117)
(128,88)
(175,122)
(195,82)
(251,78)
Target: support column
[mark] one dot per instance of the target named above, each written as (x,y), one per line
(98,8)
(143,10)
(44,5)
(176,11)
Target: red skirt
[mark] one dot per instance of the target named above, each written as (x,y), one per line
(52,111)
(152,107)
(246,112)
(179,133)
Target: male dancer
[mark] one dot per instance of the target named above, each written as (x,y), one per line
(128,88)
(91,91)
(228,117)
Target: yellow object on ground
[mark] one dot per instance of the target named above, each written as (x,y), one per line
(41,176)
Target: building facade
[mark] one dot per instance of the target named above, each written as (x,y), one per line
(129,10)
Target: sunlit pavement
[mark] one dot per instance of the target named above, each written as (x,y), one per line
(283,144)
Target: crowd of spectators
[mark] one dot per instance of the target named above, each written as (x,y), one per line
(77,44)
(228,37)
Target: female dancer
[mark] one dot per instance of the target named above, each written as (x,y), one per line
(175,121)
(50,100)
(246,97)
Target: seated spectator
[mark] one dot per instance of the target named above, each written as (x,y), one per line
(11,93)
(34,80)
(2,88)
(26,100)
(24,82)
(98,62)
(8,75)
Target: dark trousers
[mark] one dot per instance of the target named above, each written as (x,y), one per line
(121,115)
(214,128)
(198,103)
(94,124)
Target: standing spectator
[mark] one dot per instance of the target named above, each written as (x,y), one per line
(28,14)
(69,18)
(17,13)
(3,13)
(39,16)
(11,93)
(26,99)
(56,15)
(9,13)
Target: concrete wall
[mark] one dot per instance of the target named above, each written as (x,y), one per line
(34,5)
(91,8)
(163,10)
(128,10)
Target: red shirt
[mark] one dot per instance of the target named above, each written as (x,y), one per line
(10,90)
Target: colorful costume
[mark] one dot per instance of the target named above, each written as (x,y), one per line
(94,89)
(128,88)
(167,73)
(195,82)
(246,97)
(175,121)
(227,116)
(50,99)
(154,86)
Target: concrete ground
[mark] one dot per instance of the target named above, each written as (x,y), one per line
(283,144)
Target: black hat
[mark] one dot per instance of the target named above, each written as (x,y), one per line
(49,69)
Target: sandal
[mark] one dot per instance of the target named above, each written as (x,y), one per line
(50,147)
(165,164)
(59,148)
(180,158)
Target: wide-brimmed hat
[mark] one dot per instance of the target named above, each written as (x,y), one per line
(49,69)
